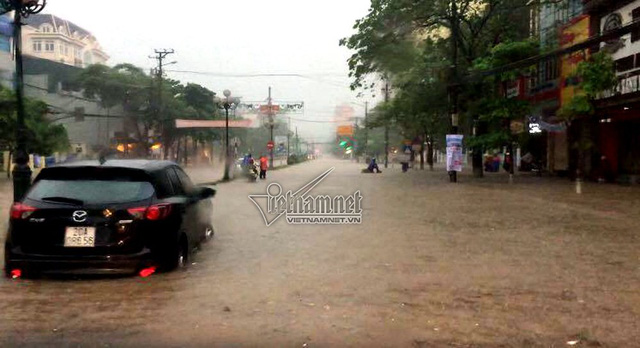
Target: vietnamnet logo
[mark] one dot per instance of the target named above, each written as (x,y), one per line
(301,208)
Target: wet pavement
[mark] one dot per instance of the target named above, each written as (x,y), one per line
(481,263)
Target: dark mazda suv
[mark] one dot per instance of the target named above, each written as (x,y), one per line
(119,216)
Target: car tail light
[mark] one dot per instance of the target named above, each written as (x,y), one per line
(147,271)
(154,212)
(16,273)
(21,211)
(137,213)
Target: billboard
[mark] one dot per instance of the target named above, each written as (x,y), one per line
(280,143)
(454,152)
(344,130)
(576,31)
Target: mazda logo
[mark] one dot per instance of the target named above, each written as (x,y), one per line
(79,216)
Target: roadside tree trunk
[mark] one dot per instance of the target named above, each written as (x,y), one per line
(422,153)
(9,164)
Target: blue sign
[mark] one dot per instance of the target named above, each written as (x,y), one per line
(6,32)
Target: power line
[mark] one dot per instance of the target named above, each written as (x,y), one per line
(219,74)
(312,77)
(313,121)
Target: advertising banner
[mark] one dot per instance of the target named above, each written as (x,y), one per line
(454,152)
(573,33)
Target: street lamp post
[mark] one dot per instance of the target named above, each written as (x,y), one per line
(227,106)
(21,171)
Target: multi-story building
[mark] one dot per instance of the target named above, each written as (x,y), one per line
(49,37)
(544,87)
(55,51)
(616,126)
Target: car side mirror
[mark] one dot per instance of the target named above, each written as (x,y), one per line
(206,192)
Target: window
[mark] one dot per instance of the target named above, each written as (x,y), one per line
(93,191)
(635,14)
(37,46)
(49,46)
(163,185)
(46,28)
(624,64)
(178,190)
(184,179)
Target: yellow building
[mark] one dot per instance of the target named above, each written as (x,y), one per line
(49,37)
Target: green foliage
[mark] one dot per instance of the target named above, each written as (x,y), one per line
(486,98)
(389,39)
(579,105)
(150,104)
(42,137)
(409,43)
(596,75)
(495,139)
(505,53)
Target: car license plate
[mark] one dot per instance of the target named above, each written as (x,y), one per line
(80,237)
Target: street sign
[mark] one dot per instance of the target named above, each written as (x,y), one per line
(270,145)
(345,130)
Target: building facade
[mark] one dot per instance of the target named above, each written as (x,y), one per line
(555,25)
(616,125)
(49,37)
(55,51)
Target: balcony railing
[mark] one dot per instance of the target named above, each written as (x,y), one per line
(628,83)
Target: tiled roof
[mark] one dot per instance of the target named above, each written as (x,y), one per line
(37,20)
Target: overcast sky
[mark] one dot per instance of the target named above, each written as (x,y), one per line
(236,37)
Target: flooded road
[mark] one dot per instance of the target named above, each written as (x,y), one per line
(429,266)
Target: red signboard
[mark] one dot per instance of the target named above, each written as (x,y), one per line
(270,145)
(344,130)
(269,109)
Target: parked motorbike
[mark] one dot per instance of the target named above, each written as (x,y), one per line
(252,172)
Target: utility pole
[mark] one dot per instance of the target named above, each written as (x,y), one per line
(453,92)
(297,142)
(271,124)
(366,131)
(161,54)
(21,171)
(288,137)
(386,128)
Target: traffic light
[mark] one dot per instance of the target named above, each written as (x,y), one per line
(348,143)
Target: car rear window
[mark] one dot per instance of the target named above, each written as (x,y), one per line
(93,191)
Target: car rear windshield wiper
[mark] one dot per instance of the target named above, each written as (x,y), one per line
(63,200)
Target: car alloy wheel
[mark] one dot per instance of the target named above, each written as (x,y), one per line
(208,233)
(183,257)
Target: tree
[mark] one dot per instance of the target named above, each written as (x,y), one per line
(147,104)
(596,75)
(42,137)
(387,38)
(488,102)
(125,85)
(414,44)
